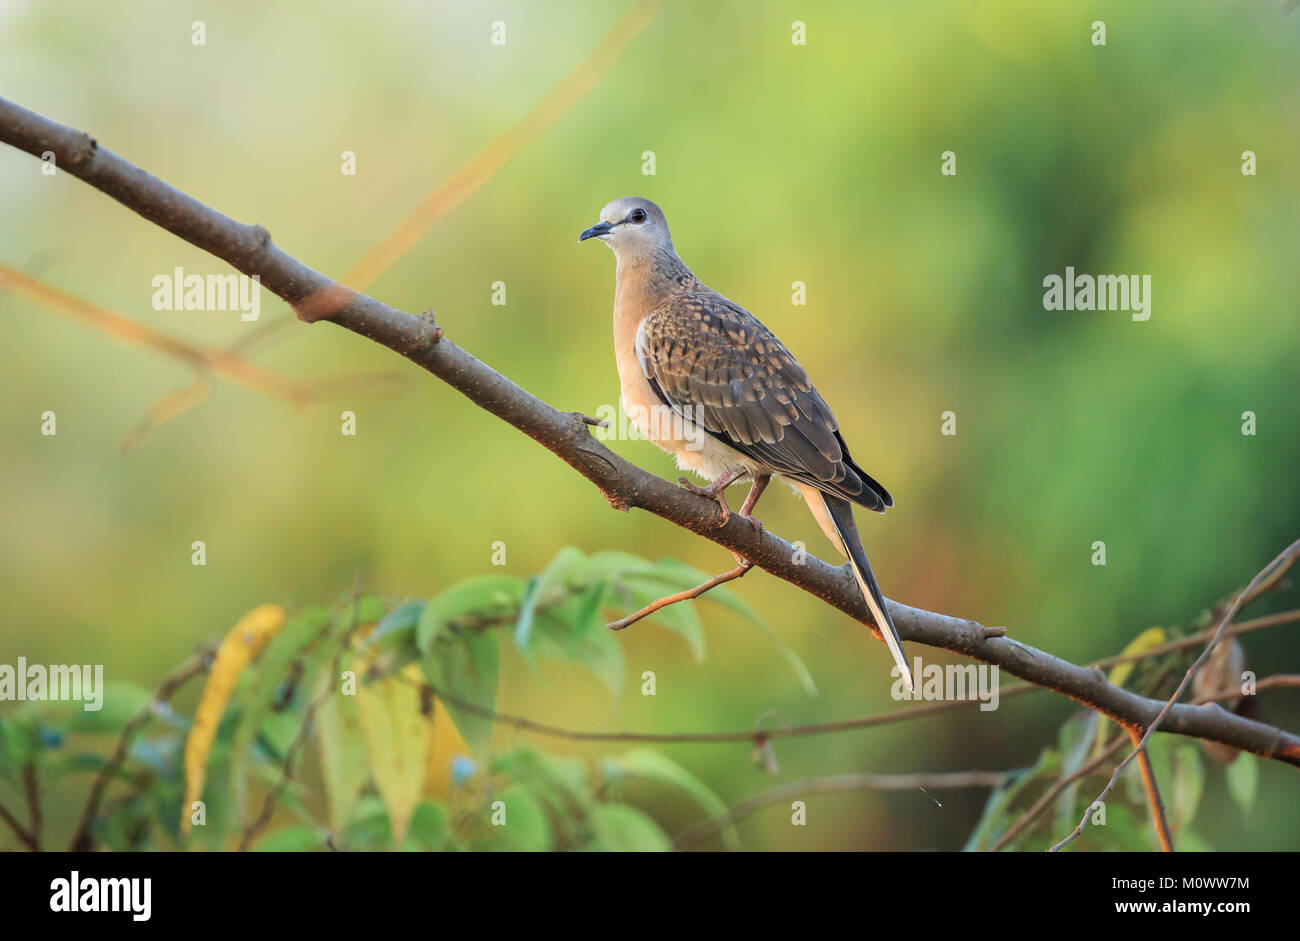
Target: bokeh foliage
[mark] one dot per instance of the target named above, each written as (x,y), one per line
(372,725)
(774,164)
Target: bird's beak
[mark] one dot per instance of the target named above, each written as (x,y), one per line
(596,231)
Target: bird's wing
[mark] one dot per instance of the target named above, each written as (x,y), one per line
(713,363)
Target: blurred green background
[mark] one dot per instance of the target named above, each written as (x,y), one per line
(774,163)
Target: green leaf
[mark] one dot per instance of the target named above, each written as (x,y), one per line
(485,595)
(612,564)
(396,624)
(526,827)
(218,805)
(561,781)
(19,743)
(430,828)
(1124,831)
(367,609)
(397,741)
(291,840)
(1243,780)
(686,577)
(1150,638)
(369,827)
(161,755)
(272,668)
(344,765)
(551,636)
(601,653)
(659,768)
(467,666)
(1188,785)
(275,736)
(619,828)
(122,702)
(560,571)
(83,763)
(586,618)
(679,575)
(995,818)
(682,618)
(1074,741)
(1160,748)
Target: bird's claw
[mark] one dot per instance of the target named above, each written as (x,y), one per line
(724,514)
(693,488)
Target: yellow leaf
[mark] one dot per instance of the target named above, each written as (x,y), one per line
(447,743)
(1149,639)
(397,739)
(240,647)
(343,756)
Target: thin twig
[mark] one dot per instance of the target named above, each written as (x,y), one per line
(82,840)
(729,575)
(32,788)
(863,781)
(751,736)
(1269,583)
(1282,559)
(1277,681)
(20,831)
(1158,820)
(168,407)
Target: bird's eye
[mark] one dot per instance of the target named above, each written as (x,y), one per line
(637,216)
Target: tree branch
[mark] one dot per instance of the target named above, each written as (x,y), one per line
(316,297)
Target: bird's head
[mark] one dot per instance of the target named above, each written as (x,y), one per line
(633,227)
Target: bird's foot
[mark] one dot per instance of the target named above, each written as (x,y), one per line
(715,491)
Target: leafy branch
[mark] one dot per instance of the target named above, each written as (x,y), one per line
(430,668)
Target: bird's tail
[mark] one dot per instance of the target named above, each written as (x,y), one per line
(840,513)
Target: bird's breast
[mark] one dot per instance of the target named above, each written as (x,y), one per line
(695,449)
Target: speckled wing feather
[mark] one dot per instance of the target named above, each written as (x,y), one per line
(714,364)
